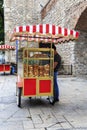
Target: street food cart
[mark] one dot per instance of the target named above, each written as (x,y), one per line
(5,67)
(35,64)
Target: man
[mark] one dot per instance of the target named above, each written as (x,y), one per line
(57,62)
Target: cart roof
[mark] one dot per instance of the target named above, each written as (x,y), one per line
(43,33)
(7,47)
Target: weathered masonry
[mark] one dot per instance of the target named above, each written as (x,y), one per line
(71,14)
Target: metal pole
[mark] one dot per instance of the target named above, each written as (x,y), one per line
(16,51)
(17,55)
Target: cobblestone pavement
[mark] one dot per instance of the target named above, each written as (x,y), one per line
(38,114)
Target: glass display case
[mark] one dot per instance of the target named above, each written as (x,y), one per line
(38,62)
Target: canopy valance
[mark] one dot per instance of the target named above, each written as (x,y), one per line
(43,33)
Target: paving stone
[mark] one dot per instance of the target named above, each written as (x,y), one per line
(11,126)
(28,124)
(37,114)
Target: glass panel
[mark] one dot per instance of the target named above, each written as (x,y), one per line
(38,62)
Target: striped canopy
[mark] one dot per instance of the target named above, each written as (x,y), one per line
(7,47)
(44,33)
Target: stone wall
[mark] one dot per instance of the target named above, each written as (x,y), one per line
(80,54)
(22,12)
(65,13)
(17,12)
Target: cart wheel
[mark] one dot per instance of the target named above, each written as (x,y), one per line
(19,97)
(51,100)
(30,98)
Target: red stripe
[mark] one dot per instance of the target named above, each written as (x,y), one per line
(14,29)
(5,46)
(47,28)
(77,34)
(27,28)
(2,46)
(71,32)
(65,32)
(34,28)
(59,30)
(53,29)
(20,29)
(41,28)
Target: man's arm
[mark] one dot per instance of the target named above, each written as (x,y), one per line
(55,64)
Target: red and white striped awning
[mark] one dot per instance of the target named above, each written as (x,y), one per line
(44,33)
(7,47)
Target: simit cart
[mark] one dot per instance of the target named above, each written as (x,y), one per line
(5,67)
(35,62)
